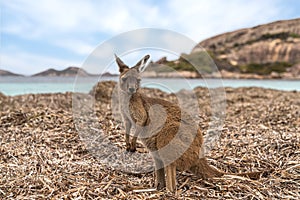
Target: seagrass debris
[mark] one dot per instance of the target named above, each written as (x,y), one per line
(44,156)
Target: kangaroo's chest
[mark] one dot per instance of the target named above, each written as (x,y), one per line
(125,110)
(124,107)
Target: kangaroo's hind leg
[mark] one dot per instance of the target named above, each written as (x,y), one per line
(171,177)
(160,181)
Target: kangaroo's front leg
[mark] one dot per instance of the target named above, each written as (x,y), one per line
(127,134)
(138,130)
(141,118)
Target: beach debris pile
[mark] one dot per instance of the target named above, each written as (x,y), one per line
(44,156)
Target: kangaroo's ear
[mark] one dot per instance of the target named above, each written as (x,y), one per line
(122,66)
(142,63)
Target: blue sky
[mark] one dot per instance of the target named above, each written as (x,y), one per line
(37,35)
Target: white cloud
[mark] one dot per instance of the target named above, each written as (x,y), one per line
(54,17)
(79,26)
(200,19)
(98,61)
(78,46)
(47,17)
(195,18)
(79,21)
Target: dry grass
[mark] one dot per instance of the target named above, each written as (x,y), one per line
(43,157)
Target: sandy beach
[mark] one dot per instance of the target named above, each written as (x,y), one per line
(43,157)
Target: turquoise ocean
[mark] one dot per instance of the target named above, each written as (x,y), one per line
(25,85)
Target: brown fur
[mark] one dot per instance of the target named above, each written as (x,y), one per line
(163,126)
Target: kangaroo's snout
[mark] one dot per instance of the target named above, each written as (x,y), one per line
(131,90)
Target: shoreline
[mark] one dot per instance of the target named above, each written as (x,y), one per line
(221,75)
(68,86)
(2,95)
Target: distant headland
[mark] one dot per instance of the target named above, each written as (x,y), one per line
(68,72)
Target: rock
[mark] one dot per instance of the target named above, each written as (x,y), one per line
(275,75)
(162,60)
(295,70)
(2,96)
(3,100)
(103,91)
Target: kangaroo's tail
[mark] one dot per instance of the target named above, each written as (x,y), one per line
(255,175)
(204,171)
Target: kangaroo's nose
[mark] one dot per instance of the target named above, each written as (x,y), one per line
(131,90)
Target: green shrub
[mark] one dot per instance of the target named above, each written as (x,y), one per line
(267,36)
(282,35)
(266,68)
(294,35)
(199,61)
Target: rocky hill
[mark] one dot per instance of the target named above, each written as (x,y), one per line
(70,71)
(263,49)
(8,73)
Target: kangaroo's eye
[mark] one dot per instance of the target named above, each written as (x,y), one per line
(124,79)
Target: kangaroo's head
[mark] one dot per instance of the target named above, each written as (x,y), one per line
(130,78)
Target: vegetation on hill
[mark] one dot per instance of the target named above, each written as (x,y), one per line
(284,36)
(266,68)
(194,62)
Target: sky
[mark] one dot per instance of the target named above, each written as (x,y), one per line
(37,35)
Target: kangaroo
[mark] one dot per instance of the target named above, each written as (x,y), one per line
(170,134)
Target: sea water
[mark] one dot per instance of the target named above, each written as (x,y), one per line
(25,85)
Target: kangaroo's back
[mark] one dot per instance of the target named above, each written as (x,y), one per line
(168,129)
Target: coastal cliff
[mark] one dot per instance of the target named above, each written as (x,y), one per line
(267,49)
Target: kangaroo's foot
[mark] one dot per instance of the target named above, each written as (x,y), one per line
(133,144)
(160,185)
(160,181)
(171,177)
(130,147)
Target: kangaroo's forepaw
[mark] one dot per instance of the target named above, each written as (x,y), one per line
(128,147)
(132,149)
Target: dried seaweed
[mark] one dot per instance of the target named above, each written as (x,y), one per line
(42,156)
